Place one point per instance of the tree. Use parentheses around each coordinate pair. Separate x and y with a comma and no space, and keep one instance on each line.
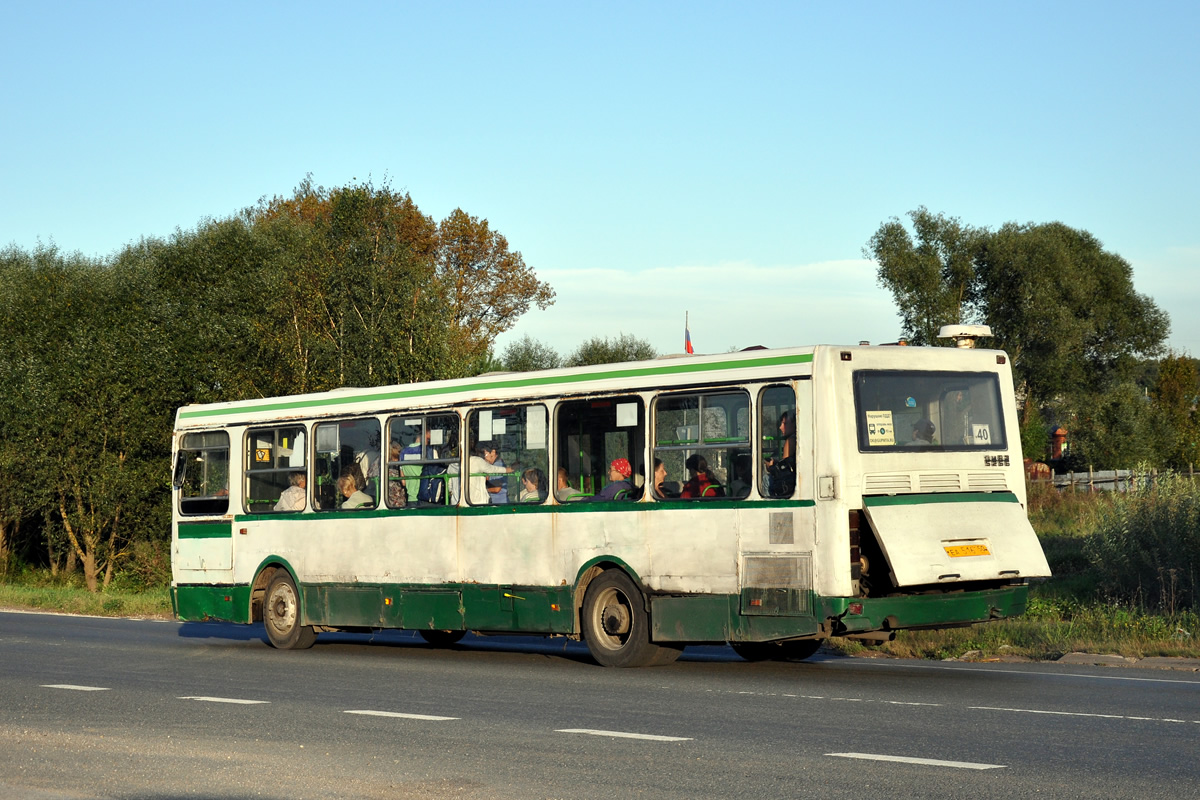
(933,281)
(602,350)
(1063,308)
(486,286)
(1175,395)
(528,354)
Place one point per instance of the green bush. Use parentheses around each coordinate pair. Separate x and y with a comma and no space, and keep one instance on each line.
(1146,545)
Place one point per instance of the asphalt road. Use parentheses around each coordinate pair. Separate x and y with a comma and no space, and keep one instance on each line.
(149,709)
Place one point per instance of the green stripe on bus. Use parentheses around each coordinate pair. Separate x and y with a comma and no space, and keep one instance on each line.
(581,507)
(929,499)
(500,383)
(205,530)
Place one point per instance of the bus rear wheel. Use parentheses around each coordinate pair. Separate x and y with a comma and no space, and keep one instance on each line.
(777,651)
(281,615)
(616,626)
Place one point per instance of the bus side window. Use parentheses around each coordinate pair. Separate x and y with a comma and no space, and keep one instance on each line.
(592,434)
(702,441)
(276,469)
(346,466)
(204,482)
(420,451)
(777,429)
(518,435)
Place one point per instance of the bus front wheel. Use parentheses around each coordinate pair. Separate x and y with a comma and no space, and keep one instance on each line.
(281,615)
(616,626)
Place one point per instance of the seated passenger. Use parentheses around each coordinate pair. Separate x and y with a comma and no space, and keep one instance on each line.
(292,498)
(661,487)
(397,492)
(700,484)
(351,483)
(618,487)
(565,492)
(922,432)
(740,482)
(533,486)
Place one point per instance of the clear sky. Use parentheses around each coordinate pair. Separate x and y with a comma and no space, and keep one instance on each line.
(726,160)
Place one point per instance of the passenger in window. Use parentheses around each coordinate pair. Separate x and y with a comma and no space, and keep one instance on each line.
(292,498)
(618,487)
(781,469)
(482,464)
(533,486)
(922,432)
(397,493)
(498,488)
(700,484)
(661,487)
(565,492)
(740,481)
(351,484)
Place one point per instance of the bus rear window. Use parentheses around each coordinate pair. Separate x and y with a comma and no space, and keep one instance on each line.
(942,411)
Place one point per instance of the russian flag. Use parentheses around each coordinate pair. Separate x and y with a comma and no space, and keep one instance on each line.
(687,338)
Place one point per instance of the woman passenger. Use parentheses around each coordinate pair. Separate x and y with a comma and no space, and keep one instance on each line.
(700,484)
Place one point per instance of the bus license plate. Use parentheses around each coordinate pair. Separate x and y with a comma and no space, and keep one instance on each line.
(967,550)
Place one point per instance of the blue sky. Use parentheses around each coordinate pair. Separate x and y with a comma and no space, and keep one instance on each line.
(725,160)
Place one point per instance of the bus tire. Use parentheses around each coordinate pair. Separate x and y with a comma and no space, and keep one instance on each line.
(442,638)
(616,626)
(281,615)
(797,650)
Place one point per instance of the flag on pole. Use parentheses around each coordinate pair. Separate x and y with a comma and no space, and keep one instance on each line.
(687,335)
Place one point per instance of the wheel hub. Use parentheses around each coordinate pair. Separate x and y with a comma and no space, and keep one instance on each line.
(615,619)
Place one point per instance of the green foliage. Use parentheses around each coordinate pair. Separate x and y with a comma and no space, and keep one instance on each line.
(1146,545)
(310,292)
(528,354)
(1063,308)
(932,280)
(1175,394)
(602,350)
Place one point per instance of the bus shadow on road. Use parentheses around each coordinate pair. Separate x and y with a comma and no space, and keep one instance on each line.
(533,645)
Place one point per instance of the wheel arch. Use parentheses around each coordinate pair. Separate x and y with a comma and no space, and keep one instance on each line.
(593,568)
(262,579)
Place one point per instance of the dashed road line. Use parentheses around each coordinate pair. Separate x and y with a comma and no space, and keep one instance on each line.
(427,717)
(234,700)
(626,735)
(927,762)
(74,687)
(1077,714)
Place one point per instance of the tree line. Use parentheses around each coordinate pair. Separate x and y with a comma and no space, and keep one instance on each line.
(1087,349)
(352,286)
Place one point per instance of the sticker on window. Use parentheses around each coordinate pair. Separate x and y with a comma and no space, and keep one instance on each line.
(981,434)
(879,429)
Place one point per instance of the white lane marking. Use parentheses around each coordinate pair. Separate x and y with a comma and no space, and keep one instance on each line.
(929,762)
(74,687)
(428,717)
(1073,714)
(1027,673)
(625,735)
(227,700)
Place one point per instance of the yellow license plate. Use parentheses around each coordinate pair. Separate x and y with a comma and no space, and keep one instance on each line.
(967,550)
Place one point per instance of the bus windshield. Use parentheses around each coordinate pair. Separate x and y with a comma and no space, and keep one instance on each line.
(941,411)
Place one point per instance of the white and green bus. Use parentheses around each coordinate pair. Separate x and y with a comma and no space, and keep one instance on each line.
(770,499)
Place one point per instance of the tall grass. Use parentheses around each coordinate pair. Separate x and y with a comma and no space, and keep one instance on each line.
(1145,545)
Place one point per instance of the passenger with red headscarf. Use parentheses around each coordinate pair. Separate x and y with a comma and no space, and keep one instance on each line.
(618,487)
